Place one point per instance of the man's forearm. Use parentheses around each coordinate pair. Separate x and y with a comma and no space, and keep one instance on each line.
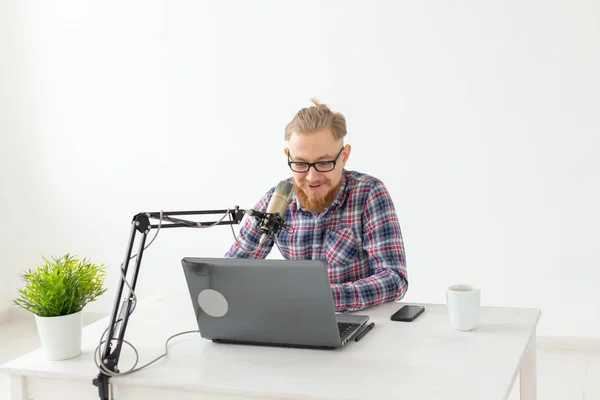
(250,245)
(376,289)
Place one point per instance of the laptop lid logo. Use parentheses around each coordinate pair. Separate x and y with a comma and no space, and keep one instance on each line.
(213,303)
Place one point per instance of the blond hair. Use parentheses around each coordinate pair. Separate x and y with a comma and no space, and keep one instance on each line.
(317,118)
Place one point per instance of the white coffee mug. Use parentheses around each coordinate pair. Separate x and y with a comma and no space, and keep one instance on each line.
(463,303)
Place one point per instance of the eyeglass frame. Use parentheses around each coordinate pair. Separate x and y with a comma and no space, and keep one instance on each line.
(314,165)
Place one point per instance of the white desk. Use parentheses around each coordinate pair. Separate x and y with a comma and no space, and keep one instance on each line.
(425,359)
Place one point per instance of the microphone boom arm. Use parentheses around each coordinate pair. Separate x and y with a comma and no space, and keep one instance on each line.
(123,306)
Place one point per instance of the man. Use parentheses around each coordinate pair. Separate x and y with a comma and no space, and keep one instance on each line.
(344,217)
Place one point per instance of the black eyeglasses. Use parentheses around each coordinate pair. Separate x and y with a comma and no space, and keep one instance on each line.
(320,166)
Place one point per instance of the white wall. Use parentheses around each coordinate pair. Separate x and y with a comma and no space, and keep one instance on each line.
(20,201)
(479,117)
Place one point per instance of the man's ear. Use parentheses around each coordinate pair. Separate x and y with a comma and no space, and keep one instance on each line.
(346,155)
(286,152)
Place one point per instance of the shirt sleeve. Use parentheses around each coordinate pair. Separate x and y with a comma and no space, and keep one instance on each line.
(250,241)
(382,240)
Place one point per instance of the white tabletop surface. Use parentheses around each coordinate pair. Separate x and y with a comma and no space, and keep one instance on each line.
(424,359)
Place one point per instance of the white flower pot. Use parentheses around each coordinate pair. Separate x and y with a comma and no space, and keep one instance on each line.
(61,336)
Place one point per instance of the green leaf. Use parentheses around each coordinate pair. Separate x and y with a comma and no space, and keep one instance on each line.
(61,286)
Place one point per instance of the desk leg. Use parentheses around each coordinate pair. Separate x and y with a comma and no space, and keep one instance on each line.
(528,373)
(17,387)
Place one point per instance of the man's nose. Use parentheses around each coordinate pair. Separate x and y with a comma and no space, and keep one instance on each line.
(313,175)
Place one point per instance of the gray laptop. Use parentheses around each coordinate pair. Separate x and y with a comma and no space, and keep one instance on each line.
(267,302)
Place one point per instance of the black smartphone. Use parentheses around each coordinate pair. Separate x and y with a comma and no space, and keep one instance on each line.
(407,313)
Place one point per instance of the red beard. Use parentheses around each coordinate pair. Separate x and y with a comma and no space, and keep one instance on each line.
(315,204)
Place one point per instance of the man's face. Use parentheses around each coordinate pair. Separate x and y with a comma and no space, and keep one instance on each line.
(317,190)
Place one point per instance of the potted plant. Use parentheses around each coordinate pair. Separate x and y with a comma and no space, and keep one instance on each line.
(56,293)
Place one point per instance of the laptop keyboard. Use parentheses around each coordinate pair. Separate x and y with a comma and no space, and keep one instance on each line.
(345,328)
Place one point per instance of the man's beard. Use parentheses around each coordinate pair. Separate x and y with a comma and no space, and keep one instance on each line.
(315,204)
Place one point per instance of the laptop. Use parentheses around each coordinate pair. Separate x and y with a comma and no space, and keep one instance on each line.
(267,302)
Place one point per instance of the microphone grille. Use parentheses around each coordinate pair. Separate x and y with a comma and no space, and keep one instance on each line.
(285,188)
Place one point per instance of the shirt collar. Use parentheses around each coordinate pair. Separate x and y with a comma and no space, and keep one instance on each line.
(342,193)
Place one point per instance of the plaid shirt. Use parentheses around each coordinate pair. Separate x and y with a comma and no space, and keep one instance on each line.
(358,236)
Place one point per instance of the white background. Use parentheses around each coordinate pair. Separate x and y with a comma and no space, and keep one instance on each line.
(480,117)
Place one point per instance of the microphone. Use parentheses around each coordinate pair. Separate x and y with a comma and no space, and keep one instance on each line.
(281,198)
(272,221)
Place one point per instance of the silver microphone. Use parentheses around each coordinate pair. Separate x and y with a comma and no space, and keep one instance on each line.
(281,198)
(272,221)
